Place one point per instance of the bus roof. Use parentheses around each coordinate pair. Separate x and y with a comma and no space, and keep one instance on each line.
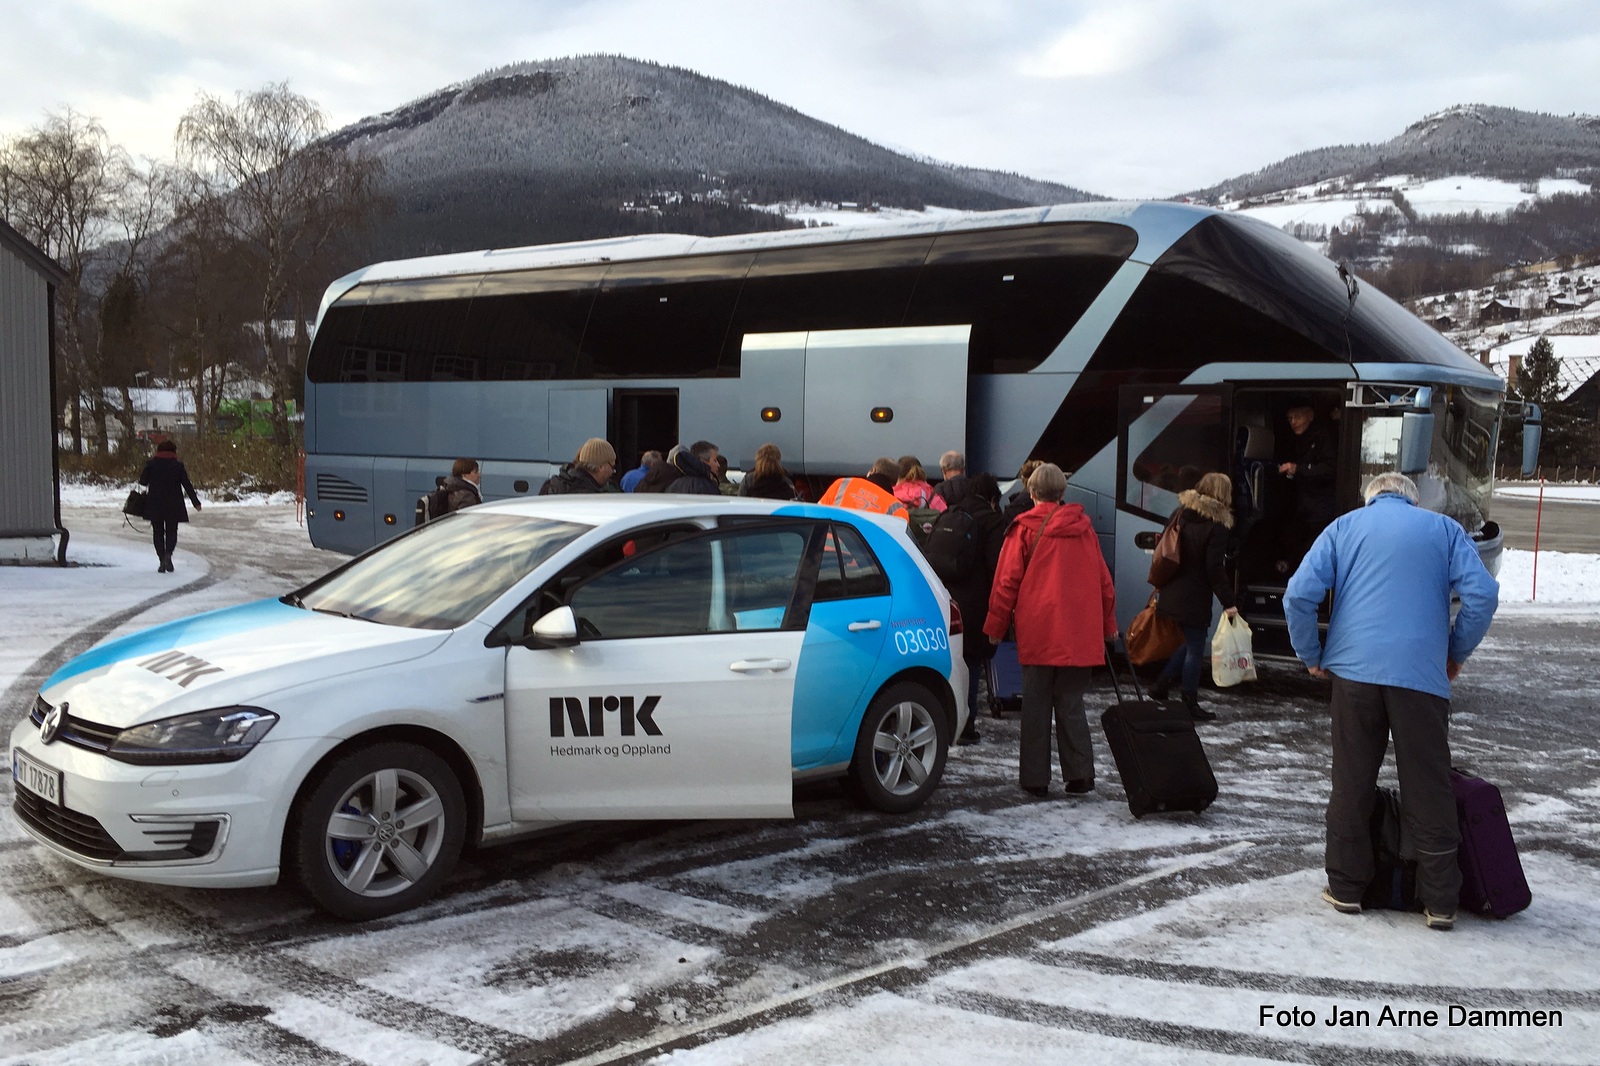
(1157,223)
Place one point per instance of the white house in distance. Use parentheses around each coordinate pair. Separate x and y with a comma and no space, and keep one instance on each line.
(167,410)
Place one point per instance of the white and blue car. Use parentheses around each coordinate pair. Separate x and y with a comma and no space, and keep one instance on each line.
(488,675)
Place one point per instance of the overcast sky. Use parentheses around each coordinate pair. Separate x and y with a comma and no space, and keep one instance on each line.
(1132,98)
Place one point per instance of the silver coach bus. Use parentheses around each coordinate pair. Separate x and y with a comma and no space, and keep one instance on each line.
(1135,345)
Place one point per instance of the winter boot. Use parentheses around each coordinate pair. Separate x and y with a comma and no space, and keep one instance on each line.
(1191,701)
(1159,688)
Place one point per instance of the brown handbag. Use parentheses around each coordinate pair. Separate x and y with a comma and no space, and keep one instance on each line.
(1152,635)
(1165,562)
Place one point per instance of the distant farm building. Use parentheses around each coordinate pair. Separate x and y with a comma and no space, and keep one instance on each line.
(1498,310)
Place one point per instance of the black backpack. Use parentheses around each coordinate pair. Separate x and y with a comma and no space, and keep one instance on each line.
(431,505)
(952,546)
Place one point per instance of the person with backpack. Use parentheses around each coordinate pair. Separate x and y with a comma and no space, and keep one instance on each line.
(1204,517)
(1053,585)
(953,472)
(459,489)
(590,472)
(964,549)
(913,489)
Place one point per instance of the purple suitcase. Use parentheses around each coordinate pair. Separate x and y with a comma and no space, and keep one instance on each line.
(1005,679)
(1492,883)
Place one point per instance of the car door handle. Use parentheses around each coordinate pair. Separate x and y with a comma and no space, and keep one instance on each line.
(756,666)
(856,627)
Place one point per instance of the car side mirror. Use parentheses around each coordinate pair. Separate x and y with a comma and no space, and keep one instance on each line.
(557,629)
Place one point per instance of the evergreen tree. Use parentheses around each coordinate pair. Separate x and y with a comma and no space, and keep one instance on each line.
(1539,380)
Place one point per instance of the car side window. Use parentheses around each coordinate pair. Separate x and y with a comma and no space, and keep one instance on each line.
(722,582)
(849,570)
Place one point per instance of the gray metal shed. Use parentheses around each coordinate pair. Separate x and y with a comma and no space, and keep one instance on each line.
(30,500)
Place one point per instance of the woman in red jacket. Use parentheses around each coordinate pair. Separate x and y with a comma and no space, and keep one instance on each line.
(1053,586)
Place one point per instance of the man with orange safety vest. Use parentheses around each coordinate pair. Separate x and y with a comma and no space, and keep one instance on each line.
(875,492)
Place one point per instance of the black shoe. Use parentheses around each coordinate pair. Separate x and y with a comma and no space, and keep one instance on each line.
(1078,786)
(1197,712)
(971,736)
(1040,791)
(1159,688)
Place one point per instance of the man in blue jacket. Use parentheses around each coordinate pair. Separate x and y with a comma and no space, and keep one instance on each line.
(1392,654)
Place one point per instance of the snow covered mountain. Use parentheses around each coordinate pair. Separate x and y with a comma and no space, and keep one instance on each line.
(602,145)
(1454,200)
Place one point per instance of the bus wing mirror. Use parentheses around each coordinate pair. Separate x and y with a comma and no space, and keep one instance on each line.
(1416,441)
(1532,436)
(557,629)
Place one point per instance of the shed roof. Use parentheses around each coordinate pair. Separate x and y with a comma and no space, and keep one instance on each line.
(30,254)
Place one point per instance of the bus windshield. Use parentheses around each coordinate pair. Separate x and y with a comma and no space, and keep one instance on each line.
(1460,474)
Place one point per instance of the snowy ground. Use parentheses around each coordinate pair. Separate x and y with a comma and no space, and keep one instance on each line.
(985,928)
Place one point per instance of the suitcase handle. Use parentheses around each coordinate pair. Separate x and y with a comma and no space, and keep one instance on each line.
(1111,667)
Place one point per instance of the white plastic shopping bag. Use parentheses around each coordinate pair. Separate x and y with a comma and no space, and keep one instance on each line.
(1231,658)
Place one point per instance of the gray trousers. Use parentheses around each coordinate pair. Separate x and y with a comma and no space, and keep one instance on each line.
(1054,692)
(1364,717)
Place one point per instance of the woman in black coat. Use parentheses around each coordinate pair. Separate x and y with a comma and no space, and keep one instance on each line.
(971,592)
(768,480)
(168,480)
(1206,516)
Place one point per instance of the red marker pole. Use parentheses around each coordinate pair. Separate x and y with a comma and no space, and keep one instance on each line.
(1538,516)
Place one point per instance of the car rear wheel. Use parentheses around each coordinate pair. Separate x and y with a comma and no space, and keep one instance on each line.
(900,751)
(379,831)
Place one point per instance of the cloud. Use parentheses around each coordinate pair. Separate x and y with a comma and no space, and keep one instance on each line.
(1105,42)
(1124,97)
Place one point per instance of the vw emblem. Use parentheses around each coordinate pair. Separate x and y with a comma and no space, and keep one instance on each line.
(52,724)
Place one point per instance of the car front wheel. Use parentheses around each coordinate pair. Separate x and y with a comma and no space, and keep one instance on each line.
(379,831)
(900,751)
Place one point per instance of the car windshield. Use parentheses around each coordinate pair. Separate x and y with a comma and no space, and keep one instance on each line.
(442,575)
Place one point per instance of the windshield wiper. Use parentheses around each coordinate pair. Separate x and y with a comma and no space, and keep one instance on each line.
(293,600)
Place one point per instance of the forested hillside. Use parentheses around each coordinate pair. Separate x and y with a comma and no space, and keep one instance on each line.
(1496,142)
(600,146)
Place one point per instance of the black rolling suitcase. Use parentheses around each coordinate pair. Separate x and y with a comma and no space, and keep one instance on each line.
(1159,756)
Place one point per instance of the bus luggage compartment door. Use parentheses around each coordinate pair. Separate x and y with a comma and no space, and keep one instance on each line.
(772,399)
(872,392)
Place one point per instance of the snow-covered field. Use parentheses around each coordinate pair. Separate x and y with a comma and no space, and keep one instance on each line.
(985,928)
(1440,196)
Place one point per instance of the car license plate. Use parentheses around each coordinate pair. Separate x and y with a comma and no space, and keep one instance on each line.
(36,777)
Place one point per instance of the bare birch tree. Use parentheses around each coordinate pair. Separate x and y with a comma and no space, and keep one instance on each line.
(284,194)
(59,184)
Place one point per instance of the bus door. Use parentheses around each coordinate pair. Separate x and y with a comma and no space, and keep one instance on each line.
(642,420)
(1167,437)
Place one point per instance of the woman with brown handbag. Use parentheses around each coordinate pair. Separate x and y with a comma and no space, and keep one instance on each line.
(1205,516)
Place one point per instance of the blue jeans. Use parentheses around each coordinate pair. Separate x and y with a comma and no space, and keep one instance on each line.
(1187,660)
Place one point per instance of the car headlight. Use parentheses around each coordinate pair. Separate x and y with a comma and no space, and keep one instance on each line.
(222,735)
